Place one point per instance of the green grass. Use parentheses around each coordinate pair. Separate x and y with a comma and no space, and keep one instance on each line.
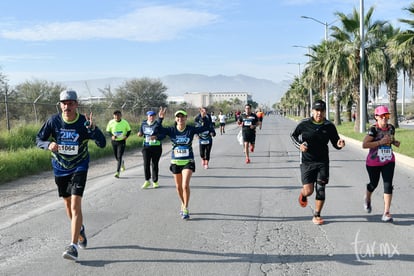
(19,156)
(19,137)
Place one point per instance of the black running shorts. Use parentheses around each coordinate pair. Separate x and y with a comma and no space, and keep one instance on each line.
(177,169)
(249,135)
(311,172)
(73,184)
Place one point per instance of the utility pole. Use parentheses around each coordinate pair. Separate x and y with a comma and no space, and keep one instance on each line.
(362,100)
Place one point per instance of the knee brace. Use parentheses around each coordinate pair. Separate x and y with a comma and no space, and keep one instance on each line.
(320,190)
(371,188)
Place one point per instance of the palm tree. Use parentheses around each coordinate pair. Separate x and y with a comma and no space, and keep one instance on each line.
(295,99)
(391,69)
(313,74)
(349,36)
(328,67)
(336,72)
(403,47)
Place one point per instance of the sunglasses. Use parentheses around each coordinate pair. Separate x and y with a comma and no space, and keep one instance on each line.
(382,116)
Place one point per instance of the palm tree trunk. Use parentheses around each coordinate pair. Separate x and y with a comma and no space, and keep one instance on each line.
(392,91)
(337,100)
(355,96)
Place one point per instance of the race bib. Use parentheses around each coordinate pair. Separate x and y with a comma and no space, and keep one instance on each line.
(247,123)
(181,152)
(119,135)
(68,149)
(384,153)
(204,142)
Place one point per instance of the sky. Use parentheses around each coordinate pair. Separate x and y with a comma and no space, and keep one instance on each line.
(93,39)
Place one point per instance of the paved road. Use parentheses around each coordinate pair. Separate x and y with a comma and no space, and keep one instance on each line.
(245,219)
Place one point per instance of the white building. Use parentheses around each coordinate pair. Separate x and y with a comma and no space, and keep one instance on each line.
(198,99)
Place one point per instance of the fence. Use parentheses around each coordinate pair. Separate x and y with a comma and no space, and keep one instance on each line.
(15,114)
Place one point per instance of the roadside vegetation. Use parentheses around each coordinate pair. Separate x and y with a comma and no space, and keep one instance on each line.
(19,156)
(29,104)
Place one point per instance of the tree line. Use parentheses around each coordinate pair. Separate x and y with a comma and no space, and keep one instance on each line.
(334,66)
(34,101)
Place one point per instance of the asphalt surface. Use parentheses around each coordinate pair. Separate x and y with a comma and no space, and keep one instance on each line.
(245,218)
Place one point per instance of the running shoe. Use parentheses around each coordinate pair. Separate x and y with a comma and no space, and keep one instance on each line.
(247,160)
(206,166)
(71,253)
(155,185)
(386,217)
(83,241)
(317,220)
(251,148)
(303,200)
(146,184)
(116,174)
(185,214)
(123,166)
(182,208)
(367,205)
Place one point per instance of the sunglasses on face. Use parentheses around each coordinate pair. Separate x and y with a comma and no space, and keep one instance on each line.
(382,116)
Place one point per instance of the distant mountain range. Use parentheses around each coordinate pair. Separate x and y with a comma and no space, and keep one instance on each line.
(263,91)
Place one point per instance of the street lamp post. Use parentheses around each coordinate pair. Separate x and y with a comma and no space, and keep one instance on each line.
(310,88)
(362,100)
(326,25)
(320,22)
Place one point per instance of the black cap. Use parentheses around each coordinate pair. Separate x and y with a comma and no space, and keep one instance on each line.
(319,105)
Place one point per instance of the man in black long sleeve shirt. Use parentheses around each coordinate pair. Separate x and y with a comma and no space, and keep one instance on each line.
(311,136)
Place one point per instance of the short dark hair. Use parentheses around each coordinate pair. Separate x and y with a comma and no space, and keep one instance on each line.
(117,112)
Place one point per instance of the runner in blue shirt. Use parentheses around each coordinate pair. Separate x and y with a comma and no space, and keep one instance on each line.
(66,135)
(182,155)
(205,138)
(151,147)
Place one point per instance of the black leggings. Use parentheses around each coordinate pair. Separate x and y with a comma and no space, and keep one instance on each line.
(374,173)
(118,148)
(151,155)
(205,150)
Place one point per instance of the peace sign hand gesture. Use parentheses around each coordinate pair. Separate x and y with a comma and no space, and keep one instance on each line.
(161,113)
(89,122)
